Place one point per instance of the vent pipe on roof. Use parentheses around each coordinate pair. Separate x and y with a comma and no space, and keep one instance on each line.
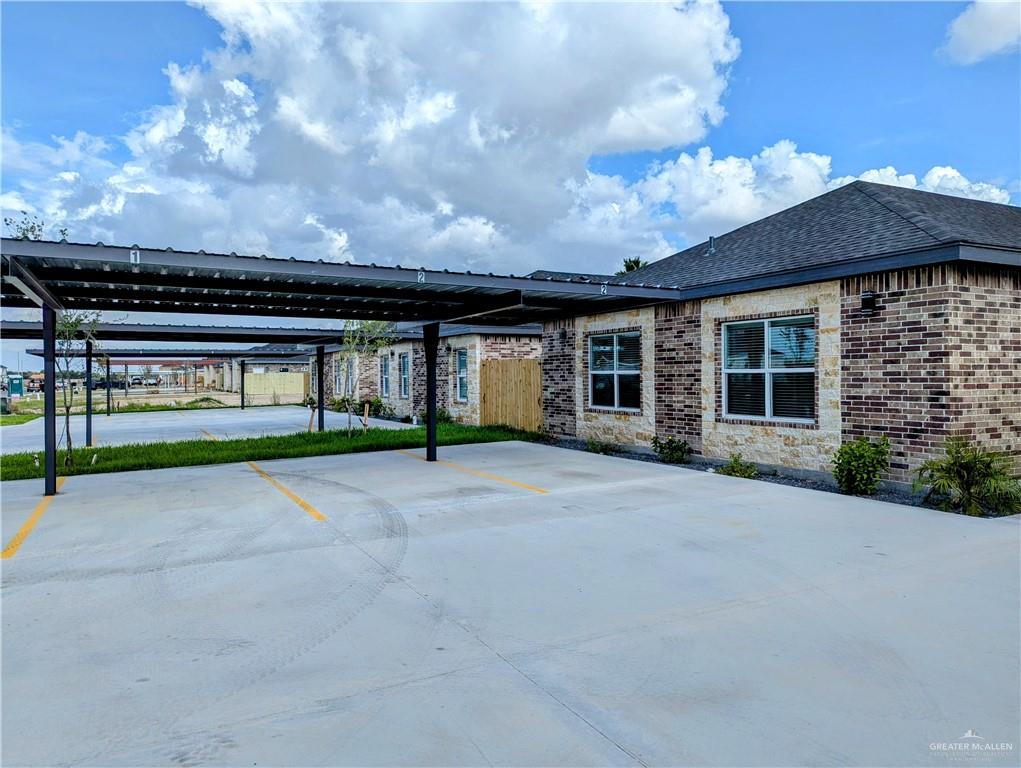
(712,245)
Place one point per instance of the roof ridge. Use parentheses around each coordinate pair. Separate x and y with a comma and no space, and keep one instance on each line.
(898,208)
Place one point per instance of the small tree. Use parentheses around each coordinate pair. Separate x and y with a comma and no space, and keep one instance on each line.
(74,330)
(362,338)
(632,264)
(29,227)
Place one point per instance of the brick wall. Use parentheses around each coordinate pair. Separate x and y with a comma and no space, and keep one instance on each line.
(558,377)
(941,356)
(511,347)
(985,374)
(679,371)
(418,377)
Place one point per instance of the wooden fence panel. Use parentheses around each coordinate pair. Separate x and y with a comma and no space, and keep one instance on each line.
(510,392)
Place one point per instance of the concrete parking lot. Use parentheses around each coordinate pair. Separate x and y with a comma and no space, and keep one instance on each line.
(515,604)
(171,426)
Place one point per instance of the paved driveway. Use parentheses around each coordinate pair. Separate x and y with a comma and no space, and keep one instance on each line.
(170,426)
(515,605)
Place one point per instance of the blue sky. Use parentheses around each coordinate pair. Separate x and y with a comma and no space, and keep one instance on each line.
(863,82)
(490,136)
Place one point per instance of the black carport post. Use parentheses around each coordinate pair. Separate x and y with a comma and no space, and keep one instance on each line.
(125,379)
(50,398)
(320,389)
(109,389)
(88,394)
(242,385)
(431,337)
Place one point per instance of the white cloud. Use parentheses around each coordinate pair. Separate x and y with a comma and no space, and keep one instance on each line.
(453,135)
(941,178)
(985,28)
(697,195)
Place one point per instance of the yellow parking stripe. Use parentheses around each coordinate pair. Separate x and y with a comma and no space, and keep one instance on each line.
(14,544)
(315,513)
(479,473)
(312,511)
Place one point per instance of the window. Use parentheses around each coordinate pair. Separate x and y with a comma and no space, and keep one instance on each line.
(404,373)
(769,369)
(344,377)
(462,374)
(384,376)
(615,371)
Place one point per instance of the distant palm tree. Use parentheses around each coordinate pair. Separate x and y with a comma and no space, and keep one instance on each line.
(631,264)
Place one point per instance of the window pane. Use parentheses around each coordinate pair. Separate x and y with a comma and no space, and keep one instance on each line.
(794,395)
(746,394)
(629,390)
(744,344)
(601,353)
(602,390)
(629,352)
(792,343)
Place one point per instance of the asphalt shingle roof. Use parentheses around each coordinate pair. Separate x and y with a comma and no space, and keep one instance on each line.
(856,221)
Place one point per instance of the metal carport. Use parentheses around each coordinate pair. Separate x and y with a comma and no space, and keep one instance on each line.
(62,275)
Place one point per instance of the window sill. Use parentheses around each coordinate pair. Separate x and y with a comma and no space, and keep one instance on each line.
(750,421)
(611,409)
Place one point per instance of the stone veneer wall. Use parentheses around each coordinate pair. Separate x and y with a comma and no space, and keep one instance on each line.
(679,371)
(802,446)
(941,356)
(558,377)
(607,424)
(465,411)
(402,406)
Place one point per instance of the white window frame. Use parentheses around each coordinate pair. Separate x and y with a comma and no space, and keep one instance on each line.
(343,377)
(616,373)
(384,375)
(404,375)
(458,375)
(767,372)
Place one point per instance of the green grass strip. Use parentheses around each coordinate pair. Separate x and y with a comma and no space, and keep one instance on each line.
(8,419)
(189,453)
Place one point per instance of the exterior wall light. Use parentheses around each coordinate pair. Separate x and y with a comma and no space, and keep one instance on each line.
(868,303)
(563,334)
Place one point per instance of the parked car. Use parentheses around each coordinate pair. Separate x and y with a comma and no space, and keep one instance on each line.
(99,384)
(137,381)
(152,382)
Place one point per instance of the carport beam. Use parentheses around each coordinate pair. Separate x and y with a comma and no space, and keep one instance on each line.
(88,394)
(320,385)
(431,337)
(50,399)
(242,385)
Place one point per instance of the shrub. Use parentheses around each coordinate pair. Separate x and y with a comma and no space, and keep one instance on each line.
(442,417)
(672,450)
(340,404)
(546,435)
(971,480)
(599,446)
(737,467)
(857,466)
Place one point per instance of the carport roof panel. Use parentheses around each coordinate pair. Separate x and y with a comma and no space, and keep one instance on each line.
(26,329)
(96,276)
(251,354)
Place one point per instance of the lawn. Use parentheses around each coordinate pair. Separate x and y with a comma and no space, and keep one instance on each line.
(9,419)
(122,458)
